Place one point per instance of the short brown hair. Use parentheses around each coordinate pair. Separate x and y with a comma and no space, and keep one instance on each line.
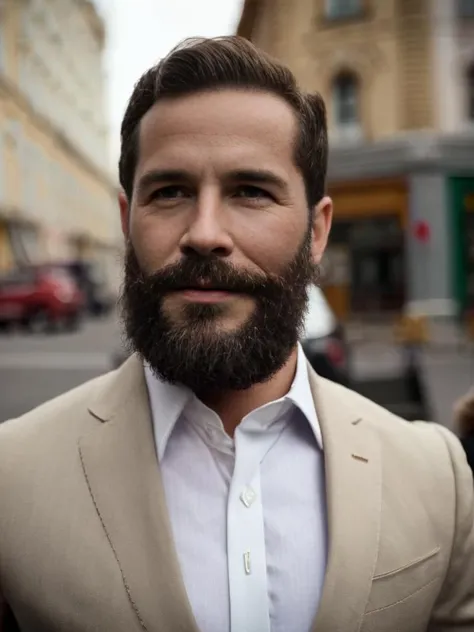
(197,65)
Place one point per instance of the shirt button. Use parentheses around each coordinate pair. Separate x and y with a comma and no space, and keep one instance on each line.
(248,497)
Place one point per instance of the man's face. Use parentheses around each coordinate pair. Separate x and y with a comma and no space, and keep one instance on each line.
(221,243)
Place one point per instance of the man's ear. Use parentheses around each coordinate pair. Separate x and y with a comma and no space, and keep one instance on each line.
(322,220)
(124,213)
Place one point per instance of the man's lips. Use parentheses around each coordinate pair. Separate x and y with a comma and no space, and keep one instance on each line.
(205,294)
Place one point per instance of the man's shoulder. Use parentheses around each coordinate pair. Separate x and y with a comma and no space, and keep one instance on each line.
(399,437)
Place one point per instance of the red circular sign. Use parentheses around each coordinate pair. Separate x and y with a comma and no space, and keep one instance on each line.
(422,231)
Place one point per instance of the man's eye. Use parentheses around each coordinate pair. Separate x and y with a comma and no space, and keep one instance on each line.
(169,193)
(251,192)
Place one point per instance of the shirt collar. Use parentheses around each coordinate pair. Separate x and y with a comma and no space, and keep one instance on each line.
(168,401)
(301,395)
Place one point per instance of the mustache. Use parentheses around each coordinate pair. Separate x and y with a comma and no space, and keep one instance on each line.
(211,273)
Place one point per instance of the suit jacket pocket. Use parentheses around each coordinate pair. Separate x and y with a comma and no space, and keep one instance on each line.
(394,586)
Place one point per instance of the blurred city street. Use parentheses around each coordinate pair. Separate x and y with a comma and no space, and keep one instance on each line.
(34,369)
(400,176)
(230,177)
(446,373)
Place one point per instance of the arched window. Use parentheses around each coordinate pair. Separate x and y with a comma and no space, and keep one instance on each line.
(470,93)
(466,8)
(346,104)
(338,9)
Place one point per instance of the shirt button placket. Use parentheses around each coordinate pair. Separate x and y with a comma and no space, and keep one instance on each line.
(247,559)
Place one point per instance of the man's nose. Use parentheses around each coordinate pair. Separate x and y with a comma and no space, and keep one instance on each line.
(206,233)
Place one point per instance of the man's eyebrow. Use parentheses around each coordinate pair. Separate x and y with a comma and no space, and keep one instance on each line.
(258,176)
(159,176)
(253,176)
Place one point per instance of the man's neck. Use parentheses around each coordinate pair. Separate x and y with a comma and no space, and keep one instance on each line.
(233,406)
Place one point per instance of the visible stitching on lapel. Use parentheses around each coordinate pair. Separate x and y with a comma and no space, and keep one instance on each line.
(127,588)
(379,532)
(397,603)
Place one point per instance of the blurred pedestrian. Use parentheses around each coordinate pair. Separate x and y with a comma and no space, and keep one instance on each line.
(464,424)
(214,482)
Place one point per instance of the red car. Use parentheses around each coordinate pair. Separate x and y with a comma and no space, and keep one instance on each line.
(40,298)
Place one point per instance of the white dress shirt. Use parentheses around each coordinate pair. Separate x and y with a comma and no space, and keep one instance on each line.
(248,514)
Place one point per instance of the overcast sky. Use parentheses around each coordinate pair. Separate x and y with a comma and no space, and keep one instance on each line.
(140,32)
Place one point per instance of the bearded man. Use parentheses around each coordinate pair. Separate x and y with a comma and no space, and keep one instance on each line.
(214,482)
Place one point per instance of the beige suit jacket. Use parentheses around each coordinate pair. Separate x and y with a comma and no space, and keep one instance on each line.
(85,538)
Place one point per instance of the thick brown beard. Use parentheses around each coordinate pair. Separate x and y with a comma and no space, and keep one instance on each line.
(194,353)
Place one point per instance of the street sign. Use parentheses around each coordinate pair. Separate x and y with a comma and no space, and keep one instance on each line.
(422,231)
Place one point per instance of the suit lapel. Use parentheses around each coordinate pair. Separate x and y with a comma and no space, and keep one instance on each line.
(122,473)
(121,469)
(354,488)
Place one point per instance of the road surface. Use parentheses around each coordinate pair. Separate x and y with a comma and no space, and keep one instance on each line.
(447,375)
(34,369)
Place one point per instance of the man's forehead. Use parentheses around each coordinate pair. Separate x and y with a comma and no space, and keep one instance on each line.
(233,126)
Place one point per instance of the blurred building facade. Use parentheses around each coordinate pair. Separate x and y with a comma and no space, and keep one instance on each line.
(57,196)
(398,80)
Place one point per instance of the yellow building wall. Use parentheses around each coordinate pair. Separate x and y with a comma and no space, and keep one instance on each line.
(87,208)
(73,197)
(11,15)
(6,257)
(388,46)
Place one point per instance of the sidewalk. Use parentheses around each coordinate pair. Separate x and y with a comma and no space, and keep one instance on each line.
(446,377)
(443,335)
(446,362)
(446,373)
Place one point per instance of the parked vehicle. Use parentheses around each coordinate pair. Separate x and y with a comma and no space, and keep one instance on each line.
(323,341)
(40,298)
(98,299)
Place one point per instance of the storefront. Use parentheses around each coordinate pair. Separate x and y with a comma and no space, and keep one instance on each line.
(461,195)
(364,268)
(106,259)
(19,243)
(25,242)
(6,254)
